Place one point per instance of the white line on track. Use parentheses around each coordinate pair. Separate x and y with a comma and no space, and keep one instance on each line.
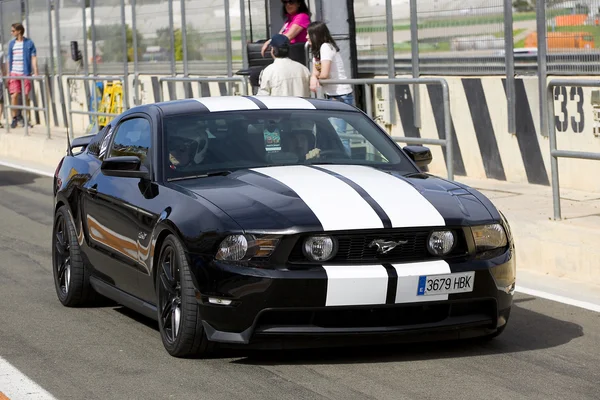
(15,385)
(560,299)
(27,169)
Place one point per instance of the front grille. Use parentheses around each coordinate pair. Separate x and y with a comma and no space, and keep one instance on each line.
(379,316)
(354,248)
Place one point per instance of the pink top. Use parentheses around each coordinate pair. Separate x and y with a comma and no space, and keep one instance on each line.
(302,20)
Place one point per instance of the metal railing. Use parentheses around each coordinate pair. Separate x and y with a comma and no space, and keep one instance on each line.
(447,142)
(554,152)
(97,114)
(202,80)
(9,106)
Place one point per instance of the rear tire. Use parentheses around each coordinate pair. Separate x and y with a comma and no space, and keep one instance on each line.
(179,319)
(71,276)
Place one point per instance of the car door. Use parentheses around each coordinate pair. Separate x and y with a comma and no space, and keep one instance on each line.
(115,208)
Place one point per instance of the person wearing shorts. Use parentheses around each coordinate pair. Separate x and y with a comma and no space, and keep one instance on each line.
(22,61)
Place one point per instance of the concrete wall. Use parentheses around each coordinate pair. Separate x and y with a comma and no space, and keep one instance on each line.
(484,148)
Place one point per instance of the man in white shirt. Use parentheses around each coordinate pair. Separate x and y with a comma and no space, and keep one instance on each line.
(285,77)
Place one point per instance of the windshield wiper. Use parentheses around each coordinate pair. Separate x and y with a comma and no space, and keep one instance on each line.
(205,175)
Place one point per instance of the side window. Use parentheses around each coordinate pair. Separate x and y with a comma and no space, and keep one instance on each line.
(133,138)
(105,141)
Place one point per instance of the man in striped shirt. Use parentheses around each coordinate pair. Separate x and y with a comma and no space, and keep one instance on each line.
(22,61)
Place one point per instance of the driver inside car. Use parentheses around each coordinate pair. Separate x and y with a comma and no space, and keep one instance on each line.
(182,154)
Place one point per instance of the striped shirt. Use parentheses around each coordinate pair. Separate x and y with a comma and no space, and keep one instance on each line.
(17,63)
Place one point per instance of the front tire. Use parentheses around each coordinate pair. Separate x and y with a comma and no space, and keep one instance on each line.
(179,319)
(71,277)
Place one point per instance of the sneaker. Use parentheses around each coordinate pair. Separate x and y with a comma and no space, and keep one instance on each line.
(13,124)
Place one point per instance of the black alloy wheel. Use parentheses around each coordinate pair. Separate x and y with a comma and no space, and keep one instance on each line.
(179,320)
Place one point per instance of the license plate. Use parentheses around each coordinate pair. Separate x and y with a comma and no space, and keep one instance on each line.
(461,282)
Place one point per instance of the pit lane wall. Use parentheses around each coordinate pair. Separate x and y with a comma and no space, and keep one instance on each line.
(483,148)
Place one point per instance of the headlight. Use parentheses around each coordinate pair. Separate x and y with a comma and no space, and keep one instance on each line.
(489,237)
(244,247)
(440,243)
(320,248)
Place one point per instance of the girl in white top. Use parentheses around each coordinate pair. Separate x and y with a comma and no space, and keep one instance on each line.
(327,63)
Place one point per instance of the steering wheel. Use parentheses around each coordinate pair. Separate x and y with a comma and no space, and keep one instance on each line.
(326,153)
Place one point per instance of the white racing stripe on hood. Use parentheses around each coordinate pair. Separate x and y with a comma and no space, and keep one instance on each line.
(408,280)
(336,204)
(274,103)
(405,206)
(234,103)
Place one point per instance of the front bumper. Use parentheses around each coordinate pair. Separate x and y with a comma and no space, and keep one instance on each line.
(268,308)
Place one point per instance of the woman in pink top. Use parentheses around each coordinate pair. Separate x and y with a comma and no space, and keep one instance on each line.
(297,19)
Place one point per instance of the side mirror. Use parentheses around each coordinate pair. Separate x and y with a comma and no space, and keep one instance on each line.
(421,155)
(125,167)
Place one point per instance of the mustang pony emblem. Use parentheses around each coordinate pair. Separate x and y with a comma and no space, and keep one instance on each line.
(384,246)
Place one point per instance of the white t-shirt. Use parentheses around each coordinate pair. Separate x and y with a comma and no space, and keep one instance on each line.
(329,53)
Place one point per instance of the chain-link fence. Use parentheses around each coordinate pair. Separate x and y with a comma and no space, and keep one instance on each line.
(572,37)
(204,37)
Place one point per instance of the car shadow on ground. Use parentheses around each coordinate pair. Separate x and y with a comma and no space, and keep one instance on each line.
(12,177)
(527,330)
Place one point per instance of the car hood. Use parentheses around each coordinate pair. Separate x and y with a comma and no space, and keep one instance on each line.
(339,198)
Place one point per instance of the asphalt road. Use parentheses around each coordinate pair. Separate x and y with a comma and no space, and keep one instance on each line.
(549,351)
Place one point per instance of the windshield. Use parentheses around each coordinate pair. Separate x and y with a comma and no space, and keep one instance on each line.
(203,143)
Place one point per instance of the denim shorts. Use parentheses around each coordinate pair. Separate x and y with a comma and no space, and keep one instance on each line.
(346,98)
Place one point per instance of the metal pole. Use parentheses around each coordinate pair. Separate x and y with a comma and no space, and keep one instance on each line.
(553,159)
(391,58)
(243,16)
(51,42)
(24,111)
(172,38)
(47,106)
(184,40)
(61,91)
(448,130)
(542,59)
(369,100)
(50,38)
(86,66)
(93,29)
(510,66)
(26,3)
(125,98)
(414,47)
(229,50)
(136,76)
(69,103)
(243,28)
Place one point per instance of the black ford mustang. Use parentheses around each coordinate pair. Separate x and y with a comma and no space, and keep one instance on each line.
(267,222)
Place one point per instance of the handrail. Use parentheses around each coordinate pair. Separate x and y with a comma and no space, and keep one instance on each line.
(23,107)
(554,153)
(71,78)
(446,142)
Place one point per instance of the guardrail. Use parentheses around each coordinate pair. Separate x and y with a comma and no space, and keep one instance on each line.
(201,80)
(97,114)
(446,142)
(8,106)
(554,152)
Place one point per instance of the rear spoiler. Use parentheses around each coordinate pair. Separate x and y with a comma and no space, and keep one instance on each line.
(81,142)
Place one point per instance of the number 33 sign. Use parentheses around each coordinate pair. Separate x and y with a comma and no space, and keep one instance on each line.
(562,122)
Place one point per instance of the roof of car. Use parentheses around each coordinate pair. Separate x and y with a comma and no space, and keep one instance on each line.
(243,103)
